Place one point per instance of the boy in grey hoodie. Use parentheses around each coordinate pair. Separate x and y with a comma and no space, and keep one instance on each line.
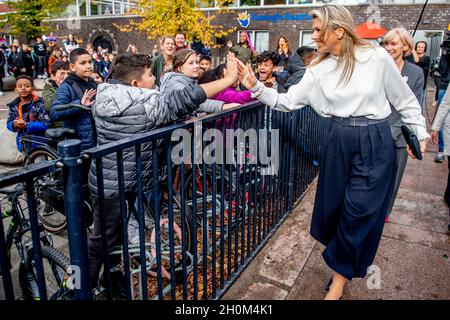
(125,106)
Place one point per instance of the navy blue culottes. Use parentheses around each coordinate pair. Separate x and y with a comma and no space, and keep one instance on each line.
(356,179)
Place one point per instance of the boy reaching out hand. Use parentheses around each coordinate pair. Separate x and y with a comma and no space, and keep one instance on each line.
(77,88)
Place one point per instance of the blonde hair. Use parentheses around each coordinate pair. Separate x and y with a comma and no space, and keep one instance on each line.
(332,17)
(405,37)
(164,38)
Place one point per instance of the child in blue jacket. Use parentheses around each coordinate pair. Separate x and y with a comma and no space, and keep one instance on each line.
(27,115)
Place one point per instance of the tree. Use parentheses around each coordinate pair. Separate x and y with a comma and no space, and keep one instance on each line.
(167,17)
(29,17)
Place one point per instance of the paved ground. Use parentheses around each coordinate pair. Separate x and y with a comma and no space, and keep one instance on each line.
(412,259)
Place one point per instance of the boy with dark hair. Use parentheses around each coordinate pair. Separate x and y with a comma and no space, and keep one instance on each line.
(77,88)
(267,62)
(205,62)
(60,70)
(40,50)
(297,66)
(27,114)
(129,98)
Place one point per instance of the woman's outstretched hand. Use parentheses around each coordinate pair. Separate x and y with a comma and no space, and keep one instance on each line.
(246,75)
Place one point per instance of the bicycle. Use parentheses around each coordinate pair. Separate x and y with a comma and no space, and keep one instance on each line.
(49,188)
(56,264)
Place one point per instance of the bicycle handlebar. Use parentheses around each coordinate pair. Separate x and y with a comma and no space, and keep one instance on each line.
(63,107)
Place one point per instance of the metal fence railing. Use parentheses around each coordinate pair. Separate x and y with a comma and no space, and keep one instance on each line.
(195,201)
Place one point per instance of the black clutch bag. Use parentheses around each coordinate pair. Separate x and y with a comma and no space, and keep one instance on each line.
(412,141)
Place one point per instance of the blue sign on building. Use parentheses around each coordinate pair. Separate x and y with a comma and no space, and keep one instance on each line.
(281,17)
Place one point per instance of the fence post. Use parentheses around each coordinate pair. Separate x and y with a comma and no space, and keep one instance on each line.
(72,167)
(292,145)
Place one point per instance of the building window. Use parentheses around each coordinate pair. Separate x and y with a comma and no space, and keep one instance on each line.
(82,5)
(7,39)
(101,7)
(300,1)
(274,2)
(250,2)
(118,7)
(305,39)
(234,4)
(259,39)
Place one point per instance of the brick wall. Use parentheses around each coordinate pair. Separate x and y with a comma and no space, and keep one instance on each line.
(436,17)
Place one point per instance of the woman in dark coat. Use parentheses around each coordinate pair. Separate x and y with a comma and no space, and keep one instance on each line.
(398,43)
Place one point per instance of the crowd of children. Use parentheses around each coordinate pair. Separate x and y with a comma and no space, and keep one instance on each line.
(36,60)
(128,88)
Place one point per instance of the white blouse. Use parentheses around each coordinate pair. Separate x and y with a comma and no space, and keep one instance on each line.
(375,82)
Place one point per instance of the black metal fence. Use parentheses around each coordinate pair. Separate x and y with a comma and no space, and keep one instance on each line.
(194,202)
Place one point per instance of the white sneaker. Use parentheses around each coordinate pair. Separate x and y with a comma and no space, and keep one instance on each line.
(1,93)
(440,157)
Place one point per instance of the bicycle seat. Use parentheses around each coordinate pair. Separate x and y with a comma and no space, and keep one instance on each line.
(59,133)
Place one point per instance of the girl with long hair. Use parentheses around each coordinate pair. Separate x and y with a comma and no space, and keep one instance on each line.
(284,52)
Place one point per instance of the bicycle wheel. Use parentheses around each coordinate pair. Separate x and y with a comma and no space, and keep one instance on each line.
(40,154)
(49,195)
(57,276)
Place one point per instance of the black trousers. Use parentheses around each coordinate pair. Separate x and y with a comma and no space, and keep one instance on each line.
(41,65)
(356,180)
(113,234)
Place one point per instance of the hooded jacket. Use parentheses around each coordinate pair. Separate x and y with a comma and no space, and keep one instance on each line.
(33,113)
(231,95)
(296,71)
(71,91)
(123,111)
(172,81)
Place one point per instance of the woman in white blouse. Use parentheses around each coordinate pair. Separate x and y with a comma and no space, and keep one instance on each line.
(353,83)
